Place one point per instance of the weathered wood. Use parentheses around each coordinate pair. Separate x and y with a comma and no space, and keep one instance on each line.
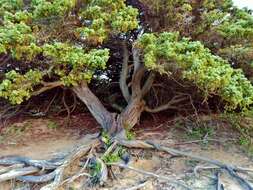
(74,155)
(231,170)
(9,168)
(124,73)
(97,109)
(37,179)
(18,172)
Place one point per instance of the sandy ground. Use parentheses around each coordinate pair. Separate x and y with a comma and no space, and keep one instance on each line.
(41,138)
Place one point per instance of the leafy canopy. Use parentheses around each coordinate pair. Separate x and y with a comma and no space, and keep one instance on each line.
(25,35)
(211,73)
(67,37)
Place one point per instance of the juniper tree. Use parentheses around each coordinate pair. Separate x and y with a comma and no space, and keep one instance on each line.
(66,43)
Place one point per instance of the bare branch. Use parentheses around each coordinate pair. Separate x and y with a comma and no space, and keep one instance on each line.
(124,73)
(231,169)
(148,84)
(139,186)
(76,154)
(9,168)
(47,86)
(18,172)
(136,59)
(169,105)
(150,174)
(136,81)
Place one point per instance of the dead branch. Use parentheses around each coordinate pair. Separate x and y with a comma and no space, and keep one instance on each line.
(139,186)
(66,107)
(42,164)
(18,172)
(81,172)
(148,84)
(50,103)
(219,185)
(37,179)
(203,141)
(9,168)
(76,154)
(47,86)
(231,170)
(169,105)
(174,181)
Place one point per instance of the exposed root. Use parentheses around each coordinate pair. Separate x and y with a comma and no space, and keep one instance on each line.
(38,179)
(76,154)
(41,171)
(230,169)
(219,185)
(15,173)
(139,186)
(173,181)
(96,167)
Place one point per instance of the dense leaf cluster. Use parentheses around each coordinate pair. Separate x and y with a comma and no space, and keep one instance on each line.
(212,74)
(17,88)
(225,29)
(25,36)
(204,42)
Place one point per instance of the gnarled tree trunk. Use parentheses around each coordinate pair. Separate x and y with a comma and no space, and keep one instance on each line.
(112,123)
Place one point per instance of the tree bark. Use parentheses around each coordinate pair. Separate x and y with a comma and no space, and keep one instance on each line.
(124,73)
(96,108)
(131,114)
(112,123)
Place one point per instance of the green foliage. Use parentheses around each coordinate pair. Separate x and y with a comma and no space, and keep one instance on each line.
(45,8)
(167,52)
(104,17)
(130,135)
(218,24)
(66,39)
(95,171)
(237,26)
(17,87)
(111,158)
(200,132)
(82,64)
(52,125)
(10,5)
(106,138)
(115,156)
(18,40)
(25,35)
(243,123)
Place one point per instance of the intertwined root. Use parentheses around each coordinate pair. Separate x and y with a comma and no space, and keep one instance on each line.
(95,167)
(41,171)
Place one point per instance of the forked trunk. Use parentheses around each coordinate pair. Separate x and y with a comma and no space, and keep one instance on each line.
(114,124)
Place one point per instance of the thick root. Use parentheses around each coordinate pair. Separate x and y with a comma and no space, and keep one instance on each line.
(41,171)
(230,169)
(96,167)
